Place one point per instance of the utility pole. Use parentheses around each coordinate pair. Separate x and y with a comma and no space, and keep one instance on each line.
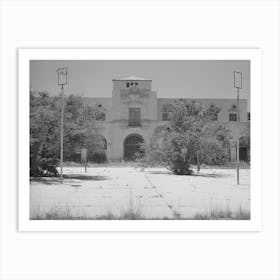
(62,80)
(238,86)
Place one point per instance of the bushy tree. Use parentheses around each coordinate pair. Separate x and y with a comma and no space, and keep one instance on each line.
(97,146)
(79,124)
(191,136)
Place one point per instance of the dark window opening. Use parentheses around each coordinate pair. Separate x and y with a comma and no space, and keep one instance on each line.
(232,117)
(243,154)
(248,116)
(133,147)
(127,84)
(134,117)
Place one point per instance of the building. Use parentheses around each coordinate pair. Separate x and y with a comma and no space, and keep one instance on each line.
(135,110)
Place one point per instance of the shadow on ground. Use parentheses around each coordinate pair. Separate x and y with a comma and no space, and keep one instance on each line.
(56,180)
(86,177)
(207,175)
(160,172)
(211,175)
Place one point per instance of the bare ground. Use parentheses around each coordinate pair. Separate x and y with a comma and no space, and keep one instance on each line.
(153,193)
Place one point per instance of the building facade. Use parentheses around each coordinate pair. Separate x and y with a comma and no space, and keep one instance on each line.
(134,111)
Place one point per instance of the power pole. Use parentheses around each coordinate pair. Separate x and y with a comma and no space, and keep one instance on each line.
(62,80)
(61,133)
(238,86)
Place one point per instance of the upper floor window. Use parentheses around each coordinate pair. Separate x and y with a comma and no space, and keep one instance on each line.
(232,117)
(131,84)
(134,118)
(248,116)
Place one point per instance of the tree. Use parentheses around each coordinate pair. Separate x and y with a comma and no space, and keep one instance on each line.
(191,136)
(97,146)
(79,124)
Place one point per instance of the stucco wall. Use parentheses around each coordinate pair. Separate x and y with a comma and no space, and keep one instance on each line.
(226,106)
(115,128)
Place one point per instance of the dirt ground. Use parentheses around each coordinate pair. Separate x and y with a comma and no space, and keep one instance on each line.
(153,193)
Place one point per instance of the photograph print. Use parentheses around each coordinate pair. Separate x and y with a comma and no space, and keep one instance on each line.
(162,137)
(133,140)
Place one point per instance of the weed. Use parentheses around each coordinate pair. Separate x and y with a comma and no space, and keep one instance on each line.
(223,214)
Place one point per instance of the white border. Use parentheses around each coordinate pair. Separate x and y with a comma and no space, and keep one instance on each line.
(254,55)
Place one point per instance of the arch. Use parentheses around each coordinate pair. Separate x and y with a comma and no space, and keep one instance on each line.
(133,147)
(244,141)
(244,148)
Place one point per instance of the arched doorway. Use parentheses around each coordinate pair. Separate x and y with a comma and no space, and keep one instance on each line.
(244,148)
(133,147)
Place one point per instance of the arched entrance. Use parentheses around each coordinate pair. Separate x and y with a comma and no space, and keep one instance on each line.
(133,147)
(244,148)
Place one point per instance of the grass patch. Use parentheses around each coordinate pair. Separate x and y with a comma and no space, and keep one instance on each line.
(223,214)
(125,215)
(55,213)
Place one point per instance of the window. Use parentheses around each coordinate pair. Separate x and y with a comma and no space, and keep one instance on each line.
(136,84)
(134,117)
(127,85)
(248,116)
(232,117)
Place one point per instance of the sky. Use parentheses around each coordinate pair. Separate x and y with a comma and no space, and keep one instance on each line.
(170,78)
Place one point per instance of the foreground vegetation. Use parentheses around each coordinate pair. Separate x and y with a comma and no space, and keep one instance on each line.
(80,131)
(213,214)
(223,214)
(191,136)
(67,214)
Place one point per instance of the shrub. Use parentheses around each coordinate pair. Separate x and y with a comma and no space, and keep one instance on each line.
(43,161)
(98,157)
(190,136)
(80,127)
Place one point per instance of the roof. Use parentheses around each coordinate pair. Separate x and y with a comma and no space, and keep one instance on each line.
(132,78)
